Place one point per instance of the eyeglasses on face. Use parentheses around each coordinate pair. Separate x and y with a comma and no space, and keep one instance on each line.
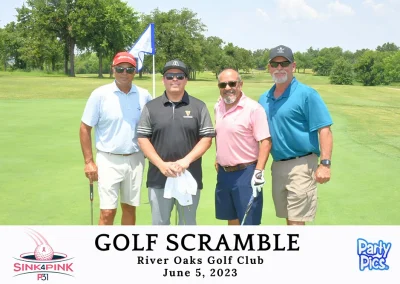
(129,70)
(275,64)
(232,84)
(171,76)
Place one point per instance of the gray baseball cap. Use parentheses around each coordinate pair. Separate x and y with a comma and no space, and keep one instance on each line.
(176,64)
(283,51)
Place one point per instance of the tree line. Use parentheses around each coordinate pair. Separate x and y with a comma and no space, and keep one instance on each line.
(82,36)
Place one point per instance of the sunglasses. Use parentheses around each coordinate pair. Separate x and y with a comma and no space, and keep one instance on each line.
(275,64)
(171,76)
(232,84)
(129,70)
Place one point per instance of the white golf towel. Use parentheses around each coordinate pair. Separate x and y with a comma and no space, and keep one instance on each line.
(181,188)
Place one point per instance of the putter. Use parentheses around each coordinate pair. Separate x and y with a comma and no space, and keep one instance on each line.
(91,202)
(248,209)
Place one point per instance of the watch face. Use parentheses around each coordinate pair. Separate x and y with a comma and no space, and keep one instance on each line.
(325,162)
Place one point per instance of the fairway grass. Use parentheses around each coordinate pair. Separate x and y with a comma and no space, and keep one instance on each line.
(41,164)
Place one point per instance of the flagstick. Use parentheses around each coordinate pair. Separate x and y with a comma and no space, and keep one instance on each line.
(154,78)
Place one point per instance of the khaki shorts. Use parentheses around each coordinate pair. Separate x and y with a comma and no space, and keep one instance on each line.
(294,189)
(119,176)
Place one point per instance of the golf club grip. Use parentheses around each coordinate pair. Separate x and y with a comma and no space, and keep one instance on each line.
(91,192)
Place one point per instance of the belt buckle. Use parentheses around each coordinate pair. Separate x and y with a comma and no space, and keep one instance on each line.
(225,167)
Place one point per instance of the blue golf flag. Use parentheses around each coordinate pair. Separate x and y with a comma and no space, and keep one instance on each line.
(145,45)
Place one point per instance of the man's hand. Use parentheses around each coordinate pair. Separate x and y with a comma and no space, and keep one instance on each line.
(216,165)
(169,169)
(257,182)
(91,171)
(182,164)
(323,174)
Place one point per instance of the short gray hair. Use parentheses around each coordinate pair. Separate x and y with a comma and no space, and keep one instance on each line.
(239,77)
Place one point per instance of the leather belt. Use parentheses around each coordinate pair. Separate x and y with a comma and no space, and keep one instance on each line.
(292,158)
(125,155)
(238,167)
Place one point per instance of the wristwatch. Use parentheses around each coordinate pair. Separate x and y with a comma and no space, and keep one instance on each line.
(325,162)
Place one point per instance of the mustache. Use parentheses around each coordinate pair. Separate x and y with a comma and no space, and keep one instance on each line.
(228,92)
(280,72)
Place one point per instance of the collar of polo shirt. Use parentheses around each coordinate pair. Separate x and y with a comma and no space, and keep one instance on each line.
(185,98)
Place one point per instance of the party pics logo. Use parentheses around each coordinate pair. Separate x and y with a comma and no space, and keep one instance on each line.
(373,256)
(43,261)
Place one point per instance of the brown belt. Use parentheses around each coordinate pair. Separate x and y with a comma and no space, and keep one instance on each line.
(238,167)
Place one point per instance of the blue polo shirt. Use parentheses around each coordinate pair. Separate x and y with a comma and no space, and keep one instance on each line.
(115,116)
(294,119)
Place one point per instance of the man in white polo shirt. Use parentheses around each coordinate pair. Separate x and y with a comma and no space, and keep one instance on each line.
(114,111)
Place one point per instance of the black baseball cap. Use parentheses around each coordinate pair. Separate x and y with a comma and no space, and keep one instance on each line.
(176,64)
(283,51)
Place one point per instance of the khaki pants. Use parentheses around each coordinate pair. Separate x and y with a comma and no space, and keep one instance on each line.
(294,189)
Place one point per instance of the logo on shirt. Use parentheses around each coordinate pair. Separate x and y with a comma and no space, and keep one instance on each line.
(187,114)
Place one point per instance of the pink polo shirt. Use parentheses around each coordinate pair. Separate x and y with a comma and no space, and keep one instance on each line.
(239,130)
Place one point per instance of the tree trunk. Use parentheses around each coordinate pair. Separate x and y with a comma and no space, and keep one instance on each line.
(141,73)
(100,65)
(66,58)
(72,57)
(111,70)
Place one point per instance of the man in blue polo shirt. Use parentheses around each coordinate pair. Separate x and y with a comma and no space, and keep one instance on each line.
(299,122)
(114,111)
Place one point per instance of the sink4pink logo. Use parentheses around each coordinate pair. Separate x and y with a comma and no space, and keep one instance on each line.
(43,261)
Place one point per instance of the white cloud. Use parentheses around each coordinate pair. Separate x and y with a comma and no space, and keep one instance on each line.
(297,10)
(338,8)
(260,12)
(377,7)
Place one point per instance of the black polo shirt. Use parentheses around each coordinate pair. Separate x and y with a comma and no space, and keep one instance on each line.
(174,129)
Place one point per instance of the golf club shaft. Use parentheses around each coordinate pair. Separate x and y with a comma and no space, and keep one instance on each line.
(247,209)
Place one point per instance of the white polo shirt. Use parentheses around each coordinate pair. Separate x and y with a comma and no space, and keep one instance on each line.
(114,116)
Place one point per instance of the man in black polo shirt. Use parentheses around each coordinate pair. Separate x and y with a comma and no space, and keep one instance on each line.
(174,132)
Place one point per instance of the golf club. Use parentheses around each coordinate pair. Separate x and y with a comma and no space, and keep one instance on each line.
(176,213)
(91,202)
(248,209)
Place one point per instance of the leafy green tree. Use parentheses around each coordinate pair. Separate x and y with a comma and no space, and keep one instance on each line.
(260,57)
(213,52)
(178,35)
(39,49)
(388,46)
(342,72)
(392,67)
(11,43)
(104,26)
(52,17)
(322,65)
(369,68)
(300,61)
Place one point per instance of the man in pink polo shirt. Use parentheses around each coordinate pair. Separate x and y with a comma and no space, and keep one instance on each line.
(243,144)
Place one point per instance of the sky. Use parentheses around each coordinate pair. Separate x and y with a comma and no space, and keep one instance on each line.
(299,24)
